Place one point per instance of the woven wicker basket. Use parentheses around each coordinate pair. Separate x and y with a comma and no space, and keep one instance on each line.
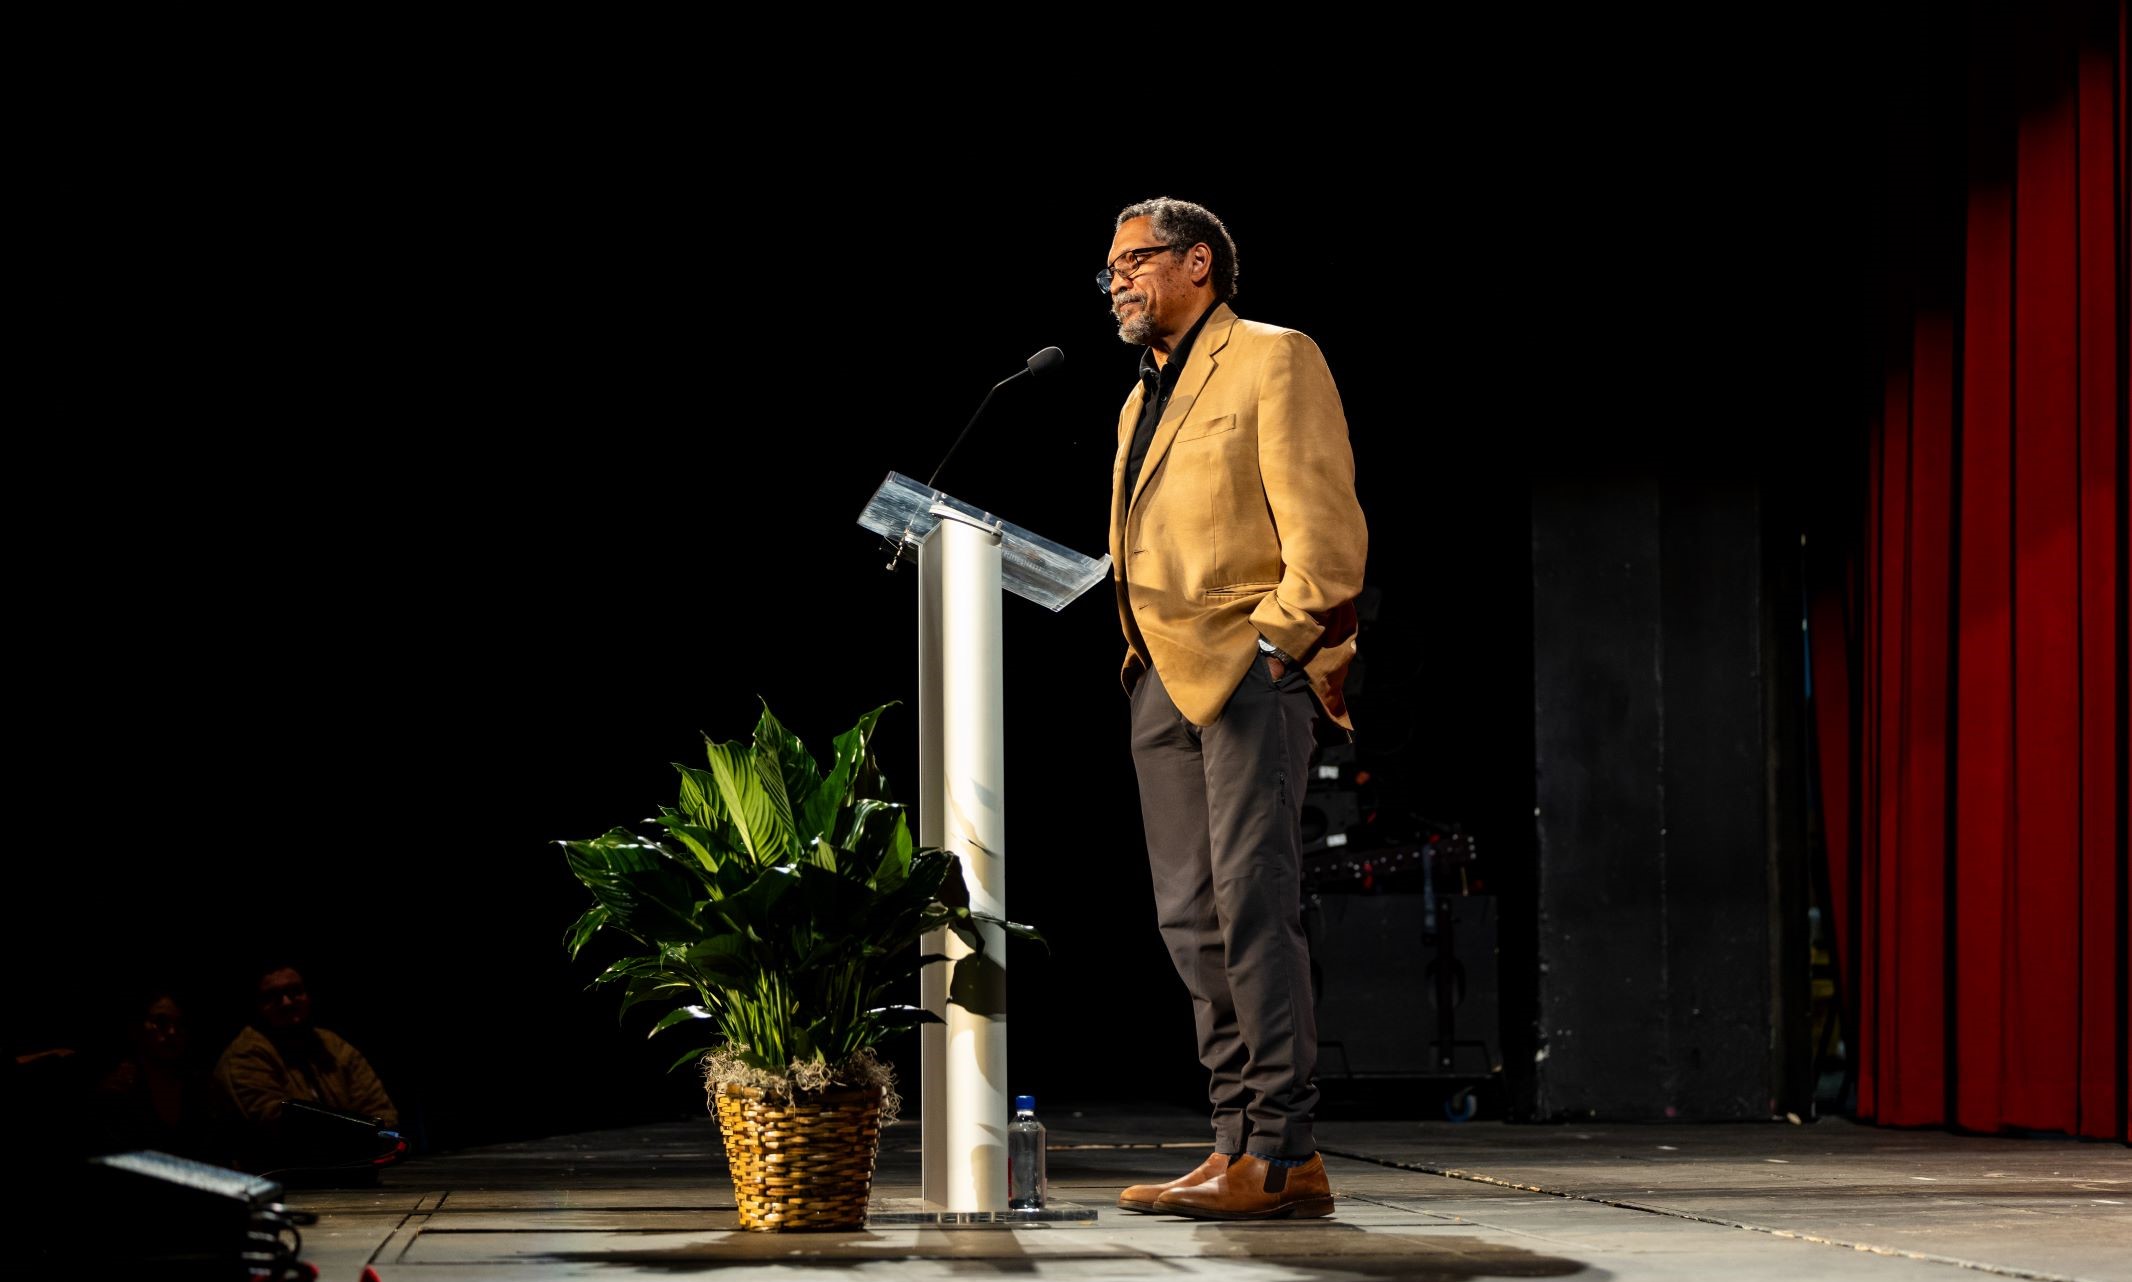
(806,1163)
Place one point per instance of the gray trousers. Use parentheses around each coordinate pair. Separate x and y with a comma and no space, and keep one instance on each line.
(1223,808)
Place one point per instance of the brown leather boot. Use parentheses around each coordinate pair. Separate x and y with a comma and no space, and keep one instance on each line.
(1255,1189)
(1141,1197)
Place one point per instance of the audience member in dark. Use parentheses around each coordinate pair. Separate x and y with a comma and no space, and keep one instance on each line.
(280,1056)
(156,1096)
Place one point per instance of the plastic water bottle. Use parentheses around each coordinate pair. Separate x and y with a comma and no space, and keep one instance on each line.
(1025,1157)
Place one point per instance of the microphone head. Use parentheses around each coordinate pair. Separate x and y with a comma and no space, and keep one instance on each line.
(1047,360)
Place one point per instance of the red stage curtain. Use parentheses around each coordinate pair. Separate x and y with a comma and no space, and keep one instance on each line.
(1970,668)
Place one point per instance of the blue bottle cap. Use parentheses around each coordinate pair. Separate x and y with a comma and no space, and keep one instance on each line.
(1025,1103)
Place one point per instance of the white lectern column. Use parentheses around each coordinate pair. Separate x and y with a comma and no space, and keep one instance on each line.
(967,559)
(961,807)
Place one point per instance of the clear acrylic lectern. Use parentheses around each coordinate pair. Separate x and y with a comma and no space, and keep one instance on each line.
(965,557)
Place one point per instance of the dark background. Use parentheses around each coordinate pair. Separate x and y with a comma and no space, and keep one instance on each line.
(416,472)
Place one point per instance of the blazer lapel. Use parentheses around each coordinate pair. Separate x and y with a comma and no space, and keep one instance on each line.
(1128,419)
(1200,366)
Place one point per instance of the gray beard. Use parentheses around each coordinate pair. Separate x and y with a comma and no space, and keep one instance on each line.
(1140,330)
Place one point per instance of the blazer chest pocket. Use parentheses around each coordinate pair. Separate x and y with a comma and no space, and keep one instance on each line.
(1206,428)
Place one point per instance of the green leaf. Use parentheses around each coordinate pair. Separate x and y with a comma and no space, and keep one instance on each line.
(894,867)
(819,809)
(631,968)
(931,869)
(700,803)
(899,838)
(889,969)
(650,988)
(710,847)
(784,829)
(903,1016)
(721,959)
(679,1015)
(583,929)
(691,1057)
(797,775)
(762,817)
(869,826)
(957,921)
(645,890)
(1013,928)
(749,912)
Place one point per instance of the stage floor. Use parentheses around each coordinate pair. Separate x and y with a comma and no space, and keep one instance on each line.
(1416,1200)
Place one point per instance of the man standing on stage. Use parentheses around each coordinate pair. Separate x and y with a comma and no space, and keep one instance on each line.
(1237,546)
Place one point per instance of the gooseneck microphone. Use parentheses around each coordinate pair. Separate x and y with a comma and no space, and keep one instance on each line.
(1046,361)
(1042,363)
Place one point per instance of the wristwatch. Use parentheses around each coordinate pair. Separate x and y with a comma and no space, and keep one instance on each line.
(1268,647)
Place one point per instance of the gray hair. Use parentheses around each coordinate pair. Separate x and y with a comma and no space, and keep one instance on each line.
(1184,224)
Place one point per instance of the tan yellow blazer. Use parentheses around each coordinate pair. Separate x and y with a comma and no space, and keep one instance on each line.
(1243,522)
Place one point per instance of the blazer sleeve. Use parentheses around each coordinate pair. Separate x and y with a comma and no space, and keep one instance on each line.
(366,1094)
(251,1082)
(1308,471)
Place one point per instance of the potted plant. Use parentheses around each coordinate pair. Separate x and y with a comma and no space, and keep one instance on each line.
(781,913)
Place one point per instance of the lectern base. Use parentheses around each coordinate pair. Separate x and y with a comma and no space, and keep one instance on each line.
(891,1211)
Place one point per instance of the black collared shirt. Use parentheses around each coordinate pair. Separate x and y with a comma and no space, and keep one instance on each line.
(1159,382)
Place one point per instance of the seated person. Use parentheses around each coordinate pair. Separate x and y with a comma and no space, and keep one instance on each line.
(154,1097)
(282,1056)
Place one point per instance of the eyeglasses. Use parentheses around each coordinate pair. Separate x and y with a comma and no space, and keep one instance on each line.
(1128,264)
